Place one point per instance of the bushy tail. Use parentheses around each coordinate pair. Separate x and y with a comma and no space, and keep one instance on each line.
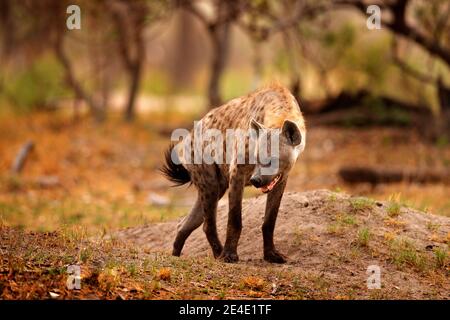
(175,173)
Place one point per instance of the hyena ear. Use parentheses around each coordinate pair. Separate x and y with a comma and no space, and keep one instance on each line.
(292,133)
(255,125)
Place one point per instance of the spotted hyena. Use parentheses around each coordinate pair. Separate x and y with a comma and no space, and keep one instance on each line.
(274,116)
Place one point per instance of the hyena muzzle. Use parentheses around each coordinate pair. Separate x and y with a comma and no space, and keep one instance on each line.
(274,115)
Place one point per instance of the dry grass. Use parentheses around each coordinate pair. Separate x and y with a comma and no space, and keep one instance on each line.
(34,264)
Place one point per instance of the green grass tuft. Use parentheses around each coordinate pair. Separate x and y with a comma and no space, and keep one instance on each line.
(404,252)
(364,236)
(361,204)
(441,257)
(394,209)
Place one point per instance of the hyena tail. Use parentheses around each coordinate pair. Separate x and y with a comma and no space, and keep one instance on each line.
(175,173)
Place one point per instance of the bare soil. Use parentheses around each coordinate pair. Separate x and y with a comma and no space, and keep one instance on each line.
(337,236)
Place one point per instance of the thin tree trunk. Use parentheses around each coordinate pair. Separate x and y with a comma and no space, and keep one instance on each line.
(73,82)
(130,22)
(220,38)
(135,75)
(294,74)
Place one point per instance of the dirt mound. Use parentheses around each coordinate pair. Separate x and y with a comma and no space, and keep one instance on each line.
(336,234)
(309,217)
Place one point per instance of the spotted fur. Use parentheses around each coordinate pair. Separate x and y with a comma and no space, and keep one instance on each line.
(272,107)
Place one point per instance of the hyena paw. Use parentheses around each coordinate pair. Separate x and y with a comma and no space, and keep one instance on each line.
(229,257)
(217,251)
(176,253)
(274,257)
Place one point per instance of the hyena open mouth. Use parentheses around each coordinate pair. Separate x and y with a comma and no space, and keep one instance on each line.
(271,185)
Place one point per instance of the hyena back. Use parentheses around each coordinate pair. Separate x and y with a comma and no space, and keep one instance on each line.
(268,110)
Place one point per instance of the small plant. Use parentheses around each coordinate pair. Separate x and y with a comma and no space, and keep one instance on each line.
(394,209)
(404,252)
(332,197)
(335,228)
(349,219)
(74,234)
(433,226)
(440,256)
(338,190)
(108,279)
(364,237)
(361,204)
(298,236)
(85,254)
(56,271)
(132,269)
(342,221)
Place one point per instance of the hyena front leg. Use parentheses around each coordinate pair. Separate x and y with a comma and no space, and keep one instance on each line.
(234,226)
(192,222)
(270,217)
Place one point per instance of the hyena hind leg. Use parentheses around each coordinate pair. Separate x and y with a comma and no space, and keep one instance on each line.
(210,200)
(188,225)
(209,227)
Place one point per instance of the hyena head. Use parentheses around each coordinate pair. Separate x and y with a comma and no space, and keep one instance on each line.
(276,151)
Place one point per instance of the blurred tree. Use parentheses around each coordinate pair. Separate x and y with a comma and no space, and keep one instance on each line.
(217,25)
(96,104)
(89,58)
(39,27)
(29,27)
(426,24)
(129,18)
(263,19)
(185,52)
(42,28)
(430,29)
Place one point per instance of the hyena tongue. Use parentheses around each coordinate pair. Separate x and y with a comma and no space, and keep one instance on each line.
(270,186)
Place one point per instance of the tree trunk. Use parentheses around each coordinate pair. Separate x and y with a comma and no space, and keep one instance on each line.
(185,52)
(220,38)
(442,122)
(296,87)
(73,82)
(129,18)
(135,74)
